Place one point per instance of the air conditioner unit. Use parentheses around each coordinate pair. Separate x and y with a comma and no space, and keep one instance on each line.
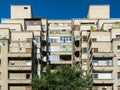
(44,59)
(10,45)
(4,36)
(12,62)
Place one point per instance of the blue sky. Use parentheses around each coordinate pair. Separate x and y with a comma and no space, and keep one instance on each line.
(59,9)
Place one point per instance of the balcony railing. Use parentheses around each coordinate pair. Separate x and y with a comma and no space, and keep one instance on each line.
(19,54)
(101,81)
(19,67)
(19,81)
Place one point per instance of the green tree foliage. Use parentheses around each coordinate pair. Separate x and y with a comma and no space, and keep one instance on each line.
(63,78)
(117,24)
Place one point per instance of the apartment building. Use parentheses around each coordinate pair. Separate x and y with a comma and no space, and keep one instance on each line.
(60,42)
(28,44)
(97,47)
(17,53)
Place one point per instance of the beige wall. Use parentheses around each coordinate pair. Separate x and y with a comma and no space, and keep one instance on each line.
(4,33)
(102,21)
(98,11)
(4,63)
(14,21)
(24,11)
(15,27)
(101,36)
(115,44)
(20,47)
(19,88)
(114,32)
(33,27)
(78,21)
(87,27)
(20,63)
(21,36)
(102,46)
(18,76)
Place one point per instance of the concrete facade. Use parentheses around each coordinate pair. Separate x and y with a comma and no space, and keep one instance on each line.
(28,44)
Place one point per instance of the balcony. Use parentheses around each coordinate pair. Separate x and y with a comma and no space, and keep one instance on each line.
(103,68)
(103,54)
(19,54)
(59,32)
(61,44)
(33,27)
(103,77)
(19,68)
(61,62)
(19,81)
(103,81)
(61,52)
(77,43)
(116,24)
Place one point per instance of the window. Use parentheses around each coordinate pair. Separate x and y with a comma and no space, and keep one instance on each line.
(84,73)
(95,76)
(84,61)
(12,29)
(25,7)
(54,31)
(43,27)
(102,75)
(55,24)
(27,76)
(11,62)
(104,89)
(76,27)
(118,49)
(38,50)
(93,39)
(28,39)
(65,39)
(65,48)
(118,36)
(54,48)
(63,31)
(28,63)
(50,24)
(118,61)
(54,58)
(61,24)
(37,39)
(102,62)
(84,38)
(53,39)
(94,49)
(32,22)
(118,74)
(95,63)
(84,50)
